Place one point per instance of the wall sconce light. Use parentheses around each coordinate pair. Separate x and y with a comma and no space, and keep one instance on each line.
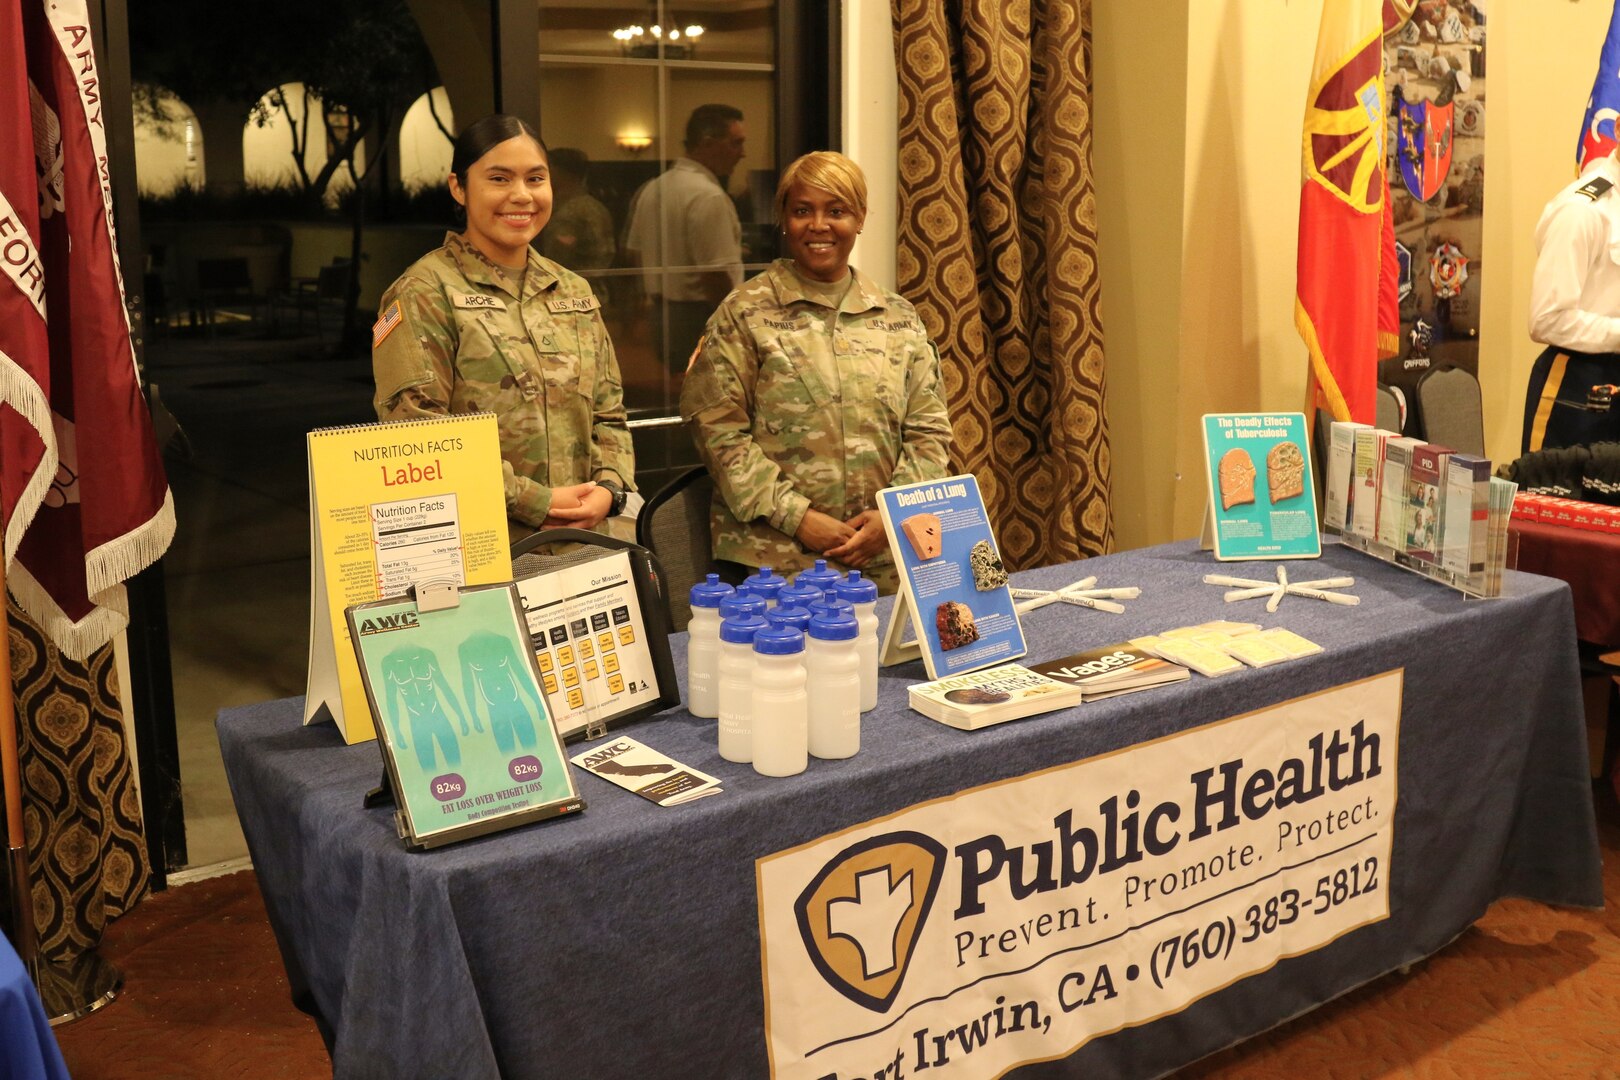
(635,144)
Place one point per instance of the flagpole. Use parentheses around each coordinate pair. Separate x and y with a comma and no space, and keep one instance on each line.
(77,987)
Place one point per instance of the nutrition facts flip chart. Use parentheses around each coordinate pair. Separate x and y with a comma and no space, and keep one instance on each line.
(417,502)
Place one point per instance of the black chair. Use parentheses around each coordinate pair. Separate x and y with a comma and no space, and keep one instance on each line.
(1388,413)
(1321,443)
(329,289)
(576,546)
(1453,412)
(674,526)
(225,282)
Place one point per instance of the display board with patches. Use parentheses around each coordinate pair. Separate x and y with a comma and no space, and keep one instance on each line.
(1262,498)
(1435,70)
(466,734)
(952,581)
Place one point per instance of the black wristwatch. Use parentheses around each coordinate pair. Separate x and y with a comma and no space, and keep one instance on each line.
(618,494)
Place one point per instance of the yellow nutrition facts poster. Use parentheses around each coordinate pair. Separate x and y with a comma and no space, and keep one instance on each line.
(418,502)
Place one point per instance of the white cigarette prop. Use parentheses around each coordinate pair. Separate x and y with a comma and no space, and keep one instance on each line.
(1331,597)
(1239,582)
(1249,594)
(1093,602)
(1327,583)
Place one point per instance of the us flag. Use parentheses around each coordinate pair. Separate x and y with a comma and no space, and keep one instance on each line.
(83,498)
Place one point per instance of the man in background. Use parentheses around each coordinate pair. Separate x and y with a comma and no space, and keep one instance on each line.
(1575,312)
(580,233)
(685,220)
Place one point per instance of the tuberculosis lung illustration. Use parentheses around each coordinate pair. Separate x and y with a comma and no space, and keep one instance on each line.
(1434,62)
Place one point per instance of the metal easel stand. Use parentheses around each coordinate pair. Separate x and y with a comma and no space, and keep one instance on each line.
(67,990)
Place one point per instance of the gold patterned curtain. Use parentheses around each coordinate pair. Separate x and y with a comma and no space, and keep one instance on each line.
(86,848)
(998,251)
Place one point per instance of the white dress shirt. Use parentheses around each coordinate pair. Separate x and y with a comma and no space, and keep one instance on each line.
(684,219)
(1575,293)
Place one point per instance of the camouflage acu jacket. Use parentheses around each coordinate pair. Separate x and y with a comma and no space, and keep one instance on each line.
(459,334)
(794,405)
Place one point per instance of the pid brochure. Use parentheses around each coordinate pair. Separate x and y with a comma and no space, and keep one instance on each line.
(953,586)
(466,736)
(1262,502)
(414,502)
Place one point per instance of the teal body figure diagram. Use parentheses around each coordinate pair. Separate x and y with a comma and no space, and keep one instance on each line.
(413,678)
(491,673)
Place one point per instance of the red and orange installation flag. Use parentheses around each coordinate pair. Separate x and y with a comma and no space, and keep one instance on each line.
(1345,306)
(84,504)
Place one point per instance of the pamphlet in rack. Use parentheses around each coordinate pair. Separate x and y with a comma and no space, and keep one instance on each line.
(1421,506)
(1262,500)
(391,506)
(952,581)
(467,741)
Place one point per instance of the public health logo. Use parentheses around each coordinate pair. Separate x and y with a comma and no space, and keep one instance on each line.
(862,914)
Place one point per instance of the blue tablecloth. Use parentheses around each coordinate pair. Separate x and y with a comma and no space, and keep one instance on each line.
(28,1050)
(624,941)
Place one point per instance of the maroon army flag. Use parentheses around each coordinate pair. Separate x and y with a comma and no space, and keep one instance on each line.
(83,498)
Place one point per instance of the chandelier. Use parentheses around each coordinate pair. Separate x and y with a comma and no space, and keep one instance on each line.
(652,42)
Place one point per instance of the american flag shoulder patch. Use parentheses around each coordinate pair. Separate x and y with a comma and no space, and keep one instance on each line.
(385,325)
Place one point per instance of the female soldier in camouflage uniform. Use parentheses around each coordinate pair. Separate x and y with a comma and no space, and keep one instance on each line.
(486,324)
(813,388)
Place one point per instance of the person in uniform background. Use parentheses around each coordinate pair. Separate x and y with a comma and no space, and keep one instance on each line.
(685,218)
(486,324)
(580,234)
(1575,311)
(814,388)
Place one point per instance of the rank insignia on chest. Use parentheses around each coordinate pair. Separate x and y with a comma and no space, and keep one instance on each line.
(477,302)
(564,305)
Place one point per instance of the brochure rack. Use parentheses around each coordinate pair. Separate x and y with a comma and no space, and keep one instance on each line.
(1386,554)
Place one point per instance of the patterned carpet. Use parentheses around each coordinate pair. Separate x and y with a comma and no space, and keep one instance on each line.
(1530,991)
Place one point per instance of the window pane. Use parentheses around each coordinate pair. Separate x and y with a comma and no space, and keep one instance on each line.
(689,220)
(751,181)
(705,31)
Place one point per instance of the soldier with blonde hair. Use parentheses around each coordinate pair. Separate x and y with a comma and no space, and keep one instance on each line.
(813,389)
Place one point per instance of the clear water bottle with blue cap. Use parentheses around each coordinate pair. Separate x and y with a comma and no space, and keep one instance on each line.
(736,683)
(821,576)
(832,665)
(863,595)
(765,584)
(703,647)
(829,602)
(797,595)
(781,704)
(796,617)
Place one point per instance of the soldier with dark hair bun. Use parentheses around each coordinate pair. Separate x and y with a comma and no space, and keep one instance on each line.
(487,324)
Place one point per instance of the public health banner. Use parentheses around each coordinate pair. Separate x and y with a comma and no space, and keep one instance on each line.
(1015,922)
